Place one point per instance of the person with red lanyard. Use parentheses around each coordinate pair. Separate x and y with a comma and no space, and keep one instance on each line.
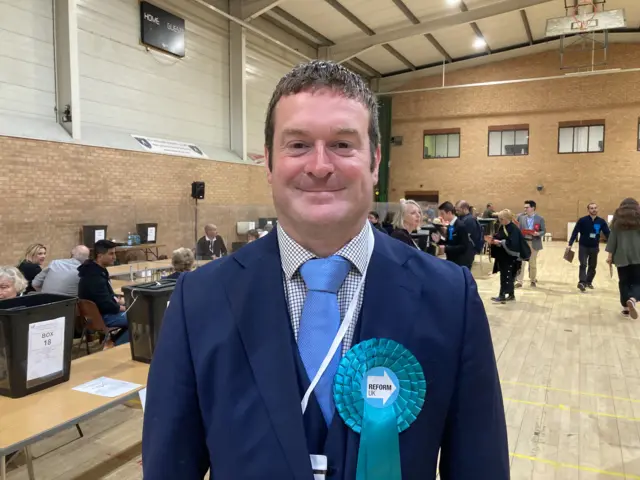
(533,227)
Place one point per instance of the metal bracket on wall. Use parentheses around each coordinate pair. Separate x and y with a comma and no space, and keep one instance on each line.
(582,47)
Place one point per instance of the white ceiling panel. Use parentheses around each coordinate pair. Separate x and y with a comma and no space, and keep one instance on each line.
(631,10)
(376,14)
(457,41)
(539,14)
(503,30)
(471,4)
(429,9)
(418,50)
(322,17)
(382,60)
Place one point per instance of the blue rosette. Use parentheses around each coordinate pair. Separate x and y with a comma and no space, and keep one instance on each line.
(379,391)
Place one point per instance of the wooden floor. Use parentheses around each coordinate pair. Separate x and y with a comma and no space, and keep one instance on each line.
(570,370)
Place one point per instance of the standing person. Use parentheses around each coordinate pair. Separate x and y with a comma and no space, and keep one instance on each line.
(509,247)
(624,252)
(489,211)
(533,227)
(229,386)
(589,227)
(457,244)
(406,221)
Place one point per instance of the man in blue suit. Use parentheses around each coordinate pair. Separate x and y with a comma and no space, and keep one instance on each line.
(245,335)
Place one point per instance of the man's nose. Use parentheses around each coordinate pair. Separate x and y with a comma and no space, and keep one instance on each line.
(319,165)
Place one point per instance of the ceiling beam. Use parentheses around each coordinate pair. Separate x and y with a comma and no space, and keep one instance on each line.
(364,68)
(367,31)
(303,27)
(254,8)
(527,25)
(438,47)
(476,29)
(413,19)
(349,48)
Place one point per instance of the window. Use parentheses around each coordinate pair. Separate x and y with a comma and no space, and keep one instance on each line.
(586,136)
(508,140)
(441,143)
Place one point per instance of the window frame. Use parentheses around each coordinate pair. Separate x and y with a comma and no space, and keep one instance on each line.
(443,132)
(582,123)
(508,128)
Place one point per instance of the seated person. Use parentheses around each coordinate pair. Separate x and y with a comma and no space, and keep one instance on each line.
(252,235)
(267,228)
(181,261)
(211,245)
(61,276)
(12,283)
(95,285)
(31,264)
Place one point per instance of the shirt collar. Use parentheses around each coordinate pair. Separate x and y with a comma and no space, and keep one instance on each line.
(293,255)
(452,223)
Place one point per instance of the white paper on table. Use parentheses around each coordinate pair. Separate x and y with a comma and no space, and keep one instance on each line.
(99,235)
(143,397)
(151,234)
(107,387)
(46,348)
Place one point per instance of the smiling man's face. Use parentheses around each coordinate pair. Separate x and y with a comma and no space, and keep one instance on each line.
(321,171)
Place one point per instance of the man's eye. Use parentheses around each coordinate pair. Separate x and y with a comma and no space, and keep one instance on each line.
(343,145)
(297,145)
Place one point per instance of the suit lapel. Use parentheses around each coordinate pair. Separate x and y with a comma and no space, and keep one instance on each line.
(389,310)
(257,300)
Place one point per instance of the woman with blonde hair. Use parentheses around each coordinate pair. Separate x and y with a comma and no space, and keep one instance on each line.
(624,251)
(407,220)
(31,264)
(508,248)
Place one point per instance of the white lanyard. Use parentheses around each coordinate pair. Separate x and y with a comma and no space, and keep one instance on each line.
(346,323)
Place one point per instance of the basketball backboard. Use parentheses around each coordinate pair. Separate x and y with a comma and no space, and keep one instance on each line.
(586,22)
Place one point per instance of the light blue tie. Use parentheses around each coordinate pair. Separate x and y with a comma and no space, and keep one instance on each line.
(320,323)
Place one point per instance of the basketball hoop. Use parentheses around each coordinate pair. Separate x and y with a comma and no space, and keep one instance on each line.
(584,13)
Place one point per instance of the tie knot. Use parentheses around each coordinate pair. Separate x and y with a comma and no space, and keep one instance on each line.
(325,274)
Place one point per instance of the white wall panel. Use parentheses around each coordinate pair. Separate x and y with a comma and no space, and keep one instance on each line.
(125,87)
(27,75)
(266,64)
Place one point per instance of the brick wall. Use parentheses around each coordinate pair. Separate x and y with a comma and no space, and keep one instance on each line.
(49,190)
(570,181)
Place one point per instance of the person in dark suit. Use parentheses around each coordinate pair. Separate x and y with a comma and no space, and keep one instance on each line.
(457,245)
(229,385)
(211,245)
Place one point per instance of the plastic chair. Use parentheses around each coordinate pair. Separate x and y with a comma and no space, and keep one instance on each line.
(94,322)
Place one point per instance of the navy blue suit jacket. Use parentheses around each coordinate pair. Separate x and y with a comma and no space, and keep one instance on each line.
(222,391)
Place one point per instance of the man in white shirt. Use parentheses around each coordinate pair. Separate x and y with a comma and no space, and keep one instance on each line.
(61,276)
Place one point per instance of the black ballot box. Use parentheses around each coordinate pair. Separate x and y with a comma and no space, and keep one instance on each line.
(146,303)
(36,337)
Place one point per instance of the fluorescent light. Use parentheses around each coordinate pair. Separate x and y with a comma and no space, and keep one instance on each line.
(479,43)
(453,2)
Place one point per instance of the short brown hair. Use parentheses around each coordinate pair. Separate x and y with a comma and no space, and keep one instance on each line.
(317,75)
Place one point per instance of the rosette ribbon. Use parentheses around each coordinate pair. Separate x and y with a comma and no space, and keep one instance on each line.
(379,391)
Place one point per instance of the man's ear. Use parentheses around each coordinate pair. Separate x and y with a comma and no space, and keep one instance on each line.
(376,165)
(267,162)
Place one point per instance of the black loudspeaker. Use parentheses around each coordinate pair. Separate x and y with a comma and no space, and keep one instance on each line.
(197,190)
